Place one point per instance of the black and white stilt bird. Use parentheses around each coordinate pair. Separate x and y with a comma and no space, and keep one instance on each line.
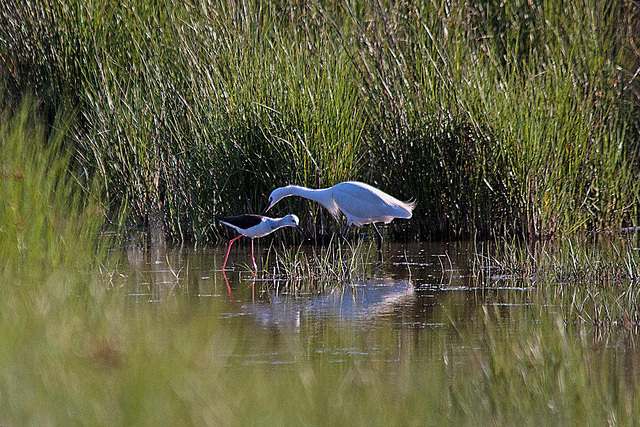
(253,226)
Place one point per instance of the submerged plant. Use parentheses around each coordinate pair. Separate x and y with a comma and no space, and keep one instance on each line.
(315,268)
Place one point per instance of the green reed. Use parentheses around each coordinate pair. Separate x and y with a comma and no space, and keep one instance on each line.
(47,212)
(500,117)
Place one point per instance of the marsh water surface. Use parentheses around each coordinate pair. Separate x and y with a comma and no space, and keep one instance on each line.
(423,301)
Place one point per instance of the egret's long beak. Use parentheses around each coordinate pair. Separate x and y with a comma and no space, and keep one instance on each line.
(266,209)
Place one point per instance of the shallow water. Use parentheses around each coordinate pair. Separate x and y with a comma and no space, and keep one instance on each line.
(423,299)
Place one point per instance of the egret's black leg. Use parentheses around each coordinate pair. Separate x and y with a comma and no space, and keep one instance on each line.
(344,233)
(379,237)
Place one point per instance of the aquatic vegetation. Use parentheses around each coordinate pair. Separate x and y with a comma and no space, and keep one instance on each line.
(594,277)
(499,117)
(122,360)
(317,268)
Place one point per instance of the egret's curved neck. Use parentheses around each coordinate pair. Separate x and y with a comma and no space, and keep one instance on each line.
(321,195)
(309,193)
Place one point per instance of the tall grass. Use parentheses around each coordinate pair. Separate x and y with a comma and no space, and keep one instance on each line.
(497,117)
(48,217)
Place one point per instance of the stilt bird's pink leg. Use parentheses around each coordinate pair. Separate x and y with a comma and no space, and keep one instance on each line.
(227,282)
(228,249)
(255,267)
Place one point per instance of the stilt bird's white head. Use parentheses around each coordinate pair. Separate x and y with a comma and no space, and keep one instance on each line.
(291,220)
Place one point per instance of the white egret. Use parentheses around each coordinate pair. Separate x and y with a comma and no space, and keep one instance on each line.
(361,203)
(253,226)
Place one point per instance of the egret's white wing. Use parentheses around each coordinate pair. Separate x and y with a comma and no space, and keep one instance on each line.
(363,203)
